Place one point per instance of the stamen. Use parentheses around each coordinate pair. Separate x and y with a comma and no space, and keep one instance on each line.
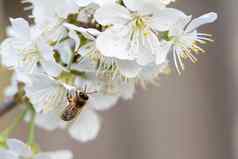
(204,34)
(207,39)
(199,48)
(175,61)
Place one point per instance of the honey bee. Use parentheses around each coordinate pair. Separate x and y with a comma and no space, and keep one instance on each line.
(76,101)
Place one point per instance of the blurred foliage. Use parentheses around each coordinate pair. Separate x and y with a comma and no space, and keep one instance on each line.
(4,74)
(4,80)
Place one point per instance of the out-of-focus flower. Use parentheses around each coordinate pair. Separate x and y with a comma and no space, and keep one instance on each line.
(16,149)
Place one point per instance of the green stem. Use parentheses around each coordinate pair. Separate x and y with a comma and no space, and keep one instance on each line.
(31,136)
(15,124)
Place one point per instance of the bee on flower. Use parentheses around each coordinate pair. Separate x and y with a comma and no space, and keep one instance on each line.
(49,98)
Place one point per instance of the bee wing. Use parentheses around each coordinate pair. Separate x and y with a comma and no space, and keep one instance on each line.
(70,112)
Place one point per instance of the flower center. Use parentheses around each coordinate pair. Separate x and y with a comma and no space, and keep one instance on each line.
(140,21)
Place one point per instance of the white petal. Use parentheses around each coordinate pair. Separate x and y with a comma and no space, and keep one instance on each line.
(19,147)
(81,29)
(112,14)
(52,68)
(144,6)
(46,11)
(9,55)
(89,33)
(148,47)
(45,49)
(65,51)
(44,93)
(162,55)
(166,18)
(204,19)
(20,29)
(178,27)
(7,154)
(91,82)
(103,2)
(86,65)
(86,127)
(102,102)
(48,121)
(73,35)
(151,71)
(130,69)
(48,62)
(116,44)
(66,8)
(82,3)
(22,76)
(43,11)
(145,57)
(42,156)
(88,48)
(63,154)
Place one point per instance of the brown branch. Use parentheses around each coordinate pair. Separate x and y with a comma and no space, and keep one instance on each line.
(7,106)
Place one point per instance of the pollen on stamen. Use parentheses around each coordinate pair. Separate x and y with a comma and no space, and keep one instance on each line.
(187,54)
(197,49)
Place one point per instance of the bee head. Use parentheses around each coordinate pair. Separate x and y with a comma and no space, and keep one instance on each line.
(83,95)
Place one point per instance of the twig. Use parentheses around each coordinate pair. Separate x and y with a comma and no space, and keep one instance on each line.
(7,106)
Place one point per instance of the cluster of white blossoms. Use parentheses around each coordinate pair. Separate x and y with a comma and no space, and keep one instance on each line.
(104,48)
